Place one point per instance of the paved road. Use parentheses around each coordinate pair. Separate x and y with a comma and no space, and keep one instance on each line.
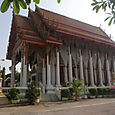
(85,107)
(93,109)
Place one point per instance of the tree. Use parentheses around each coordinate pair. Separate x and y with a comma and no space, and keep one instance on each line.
(15,4)
(77,88)
(32,93)
(105,5)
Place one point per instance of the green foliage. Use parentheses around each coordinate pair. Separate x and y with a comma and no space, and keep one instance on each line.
(37,1)
(22,4)
(16,7)
(32,93)
(65,93)
(58,1)
(71,91)
(5,5)
(77,88)
(105,91)
(93,91)
(104,5)
(28,2)
(100,91)
(16,4)
(13,94)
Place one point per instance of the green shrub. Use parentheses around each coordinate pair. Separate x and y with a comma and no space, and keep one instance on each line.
(65,93)
(71,91)
(100,91)
(93,91)
(105,91)
(13,94)
(111,91)
(32,93)
(77,88)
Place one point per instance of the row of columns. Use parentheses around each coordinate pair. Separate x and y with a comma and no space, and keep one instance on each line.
(24,69)
(50,71)
(49,84)
(57,76)
(92,72)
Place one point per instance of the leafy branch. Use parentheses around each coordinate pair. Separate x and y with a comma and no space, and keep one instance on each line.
(104,5)
(16,4)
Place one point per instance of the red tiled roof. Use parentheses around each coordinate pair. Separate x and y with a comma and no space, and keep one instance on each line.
(25,26)
(75,26)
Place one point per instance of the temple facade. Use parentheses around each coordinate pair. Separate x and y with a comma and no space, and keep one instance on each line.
(54,49)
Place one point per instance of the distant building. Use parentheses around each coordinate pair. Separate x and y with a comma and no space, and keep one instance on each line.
(57,48)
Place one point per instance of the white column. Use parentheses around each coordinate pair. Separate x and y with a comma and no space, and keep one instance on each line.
(91,70)
(53,74)
(23,77)
(48,74)
(53,70)
(44,73)
(95,73)
(65,74)
(70,67)
(21,74)
(58,71)
(100,71)
(86,74)
(81,69)
(13,73)
(25,73)
(108,72)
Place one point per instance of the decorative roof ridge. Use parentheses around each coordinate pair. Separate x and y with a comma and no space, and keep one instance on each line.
(55,13)
(67,17)
(105,34)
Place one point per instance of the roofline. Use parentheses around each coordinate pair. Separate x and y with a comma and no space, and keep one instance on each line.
(68,17)
(105,33)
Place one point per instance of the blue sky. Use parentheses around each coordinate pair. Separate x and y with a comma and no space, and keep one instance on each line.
(78,9)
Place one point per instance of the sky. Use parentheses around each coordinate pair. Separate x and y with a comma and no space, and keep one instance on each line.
(77,9)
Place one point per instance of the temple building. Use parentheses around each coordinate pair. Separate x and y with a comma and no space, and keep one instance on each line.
(52,49)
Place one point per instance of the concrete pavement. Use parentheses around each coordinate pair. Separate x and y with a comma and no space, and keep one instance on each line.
(83,107)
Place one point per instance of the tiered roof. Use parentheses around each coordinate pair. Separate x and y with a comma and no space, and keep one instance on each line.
(27,29)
